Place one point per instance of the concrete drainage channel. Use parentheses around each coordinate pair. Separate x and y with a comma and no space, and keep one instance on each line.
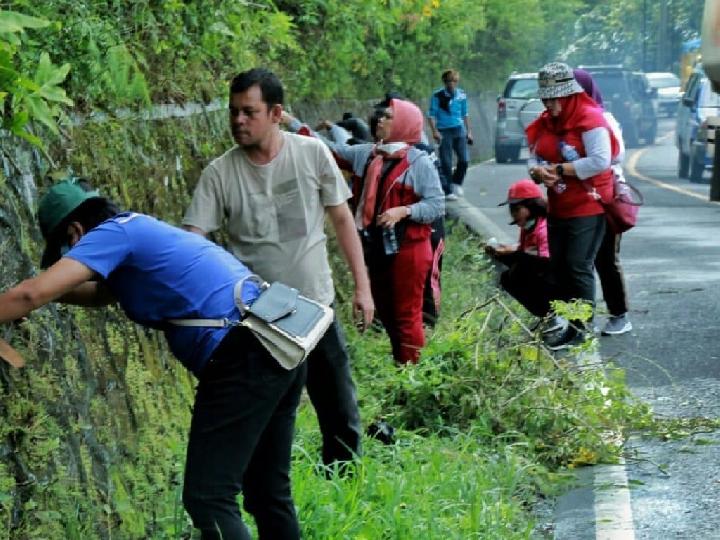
(598,507)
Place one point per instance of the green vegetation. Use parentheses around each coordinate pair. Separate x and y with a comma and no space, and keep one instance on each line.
(93,432)
(123,53)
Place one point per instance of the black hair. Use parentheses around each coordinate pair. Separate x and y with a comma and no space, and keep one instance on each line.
(537,206)
(90,214)
(270,86)
(389,96)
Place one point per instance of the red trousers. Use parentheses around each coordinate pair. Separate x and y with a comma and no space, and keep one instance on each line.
(397,290)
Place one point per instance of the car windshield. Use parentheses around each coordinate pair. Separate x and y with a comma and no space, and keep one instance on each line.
(611,84)
(664,82)
(522,89)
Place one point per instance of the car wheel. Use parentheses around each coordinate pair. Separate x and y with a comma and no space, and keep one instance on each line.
(631,136)
(683,165)
(500,155)
(514,153)
(697,167)
(650,135)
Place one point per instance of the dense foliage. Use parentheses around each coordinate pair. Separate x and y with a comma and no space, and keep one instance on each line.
(125,52)
(640,34)
(93,431)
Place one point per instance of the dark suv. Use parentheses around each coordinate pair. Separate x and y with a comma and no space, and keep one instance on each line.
(631,100)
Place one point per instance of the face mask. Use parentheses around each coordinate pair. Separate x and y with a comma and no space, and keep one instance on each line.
(529,224)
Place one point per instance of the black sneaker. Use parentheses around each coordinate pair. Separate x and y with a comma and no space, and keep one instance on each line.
(553,324)
(565,340)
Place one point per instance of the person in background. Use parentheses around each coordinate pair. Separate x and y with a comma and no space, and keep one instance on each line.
(449,122)
(274,189)
(349,130)
(357,126)
(527,277)
(244,413)
(607,262)
(571,149)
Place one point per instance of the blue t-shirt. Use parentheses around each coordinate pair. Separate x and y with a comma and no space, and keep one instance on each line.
(447,109)
(159,272)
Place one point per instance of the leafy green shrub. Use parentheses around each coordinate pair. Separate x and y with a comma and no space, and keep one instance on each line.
(483,371)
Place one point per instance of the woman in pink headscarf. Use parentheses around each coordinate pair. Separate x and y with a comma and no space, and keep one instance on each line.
(398,194)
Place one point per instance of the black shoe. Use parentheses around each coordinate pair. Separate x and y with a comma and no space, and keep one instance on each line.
(571,337)
(382,431)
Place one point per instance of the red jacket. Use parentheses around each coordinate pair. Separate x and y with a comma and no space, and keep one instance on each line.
(580,114)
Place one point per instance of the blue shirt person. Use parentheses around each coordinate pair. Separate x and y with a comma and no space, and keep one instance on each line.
(244,413)
(449,121)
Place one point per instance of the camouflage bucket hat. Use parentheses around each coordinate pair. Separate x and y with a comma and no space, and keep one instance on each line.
(556,80)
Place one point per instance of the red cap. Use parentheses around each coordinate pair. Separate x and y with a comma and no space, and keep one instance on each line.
(522,190)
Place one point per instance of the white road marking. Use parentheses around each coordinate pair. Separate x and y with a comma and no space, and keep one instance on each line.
(611,493)
(613,513)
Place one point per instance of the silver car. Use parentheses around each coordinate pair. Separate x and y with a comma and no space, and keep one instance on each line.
(517,106)
(698,113)
(668,91)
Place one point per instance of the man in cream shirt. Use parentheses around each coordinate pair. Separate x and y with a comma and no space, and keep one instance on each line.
(273,190)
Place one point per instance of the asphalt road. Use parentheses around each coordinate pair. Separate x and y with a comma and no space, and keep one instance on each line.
(672,268)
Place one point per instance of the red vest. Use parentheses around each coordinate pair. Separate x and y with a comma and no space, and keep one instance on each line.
(394,191)
(576,200)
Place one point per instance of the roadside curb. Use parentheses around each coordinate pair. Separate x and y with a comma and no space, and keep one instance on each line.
(476,220)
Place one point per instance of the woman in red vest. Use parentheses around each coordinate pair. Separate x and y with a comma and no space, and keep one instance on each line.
(571,148)
(397,194)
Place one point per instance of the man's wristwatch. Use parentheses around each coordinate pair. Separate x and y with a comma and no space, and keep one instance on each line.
(559,169)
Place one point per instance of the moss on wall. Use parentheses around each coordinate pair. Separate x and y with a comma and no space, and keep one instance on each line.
(93,430)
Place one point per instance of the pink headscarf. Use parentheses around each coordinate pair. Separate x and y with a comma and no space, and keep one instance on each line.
(406,128)
(407,122)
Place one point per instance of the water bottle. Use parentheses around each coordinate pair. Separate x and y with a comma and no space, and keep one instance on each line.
(390,241)
(569,153)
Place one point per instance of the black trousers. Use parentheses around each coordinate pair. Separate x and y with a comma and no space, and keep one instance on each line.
(574,243)
(240,440)
(332,393)
(612,280)
(528,280)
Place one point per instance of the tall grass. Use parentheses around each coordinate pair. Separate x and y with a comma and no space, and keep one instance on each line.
(486,423)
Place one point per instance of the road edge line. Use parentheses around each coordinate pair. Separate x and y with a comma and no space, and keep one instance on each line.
(631,168)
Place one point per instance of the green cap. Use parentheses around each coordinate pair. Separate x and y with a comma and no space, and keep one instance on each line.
(59,202)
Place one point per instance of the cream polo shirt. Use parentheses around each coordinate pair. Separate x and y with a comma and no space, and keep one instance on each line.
(275,212)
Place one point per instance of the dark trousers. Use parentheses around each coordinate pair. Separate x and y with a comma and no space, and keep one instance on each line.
(527,279)
(612,281)
(453,140)
(240,440)
(574,243)
(332,393)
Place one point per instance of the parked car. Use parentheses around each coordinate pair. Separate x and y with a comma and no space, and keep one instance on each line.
(698,111)
(520,92)
(668,91)
(629,97)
